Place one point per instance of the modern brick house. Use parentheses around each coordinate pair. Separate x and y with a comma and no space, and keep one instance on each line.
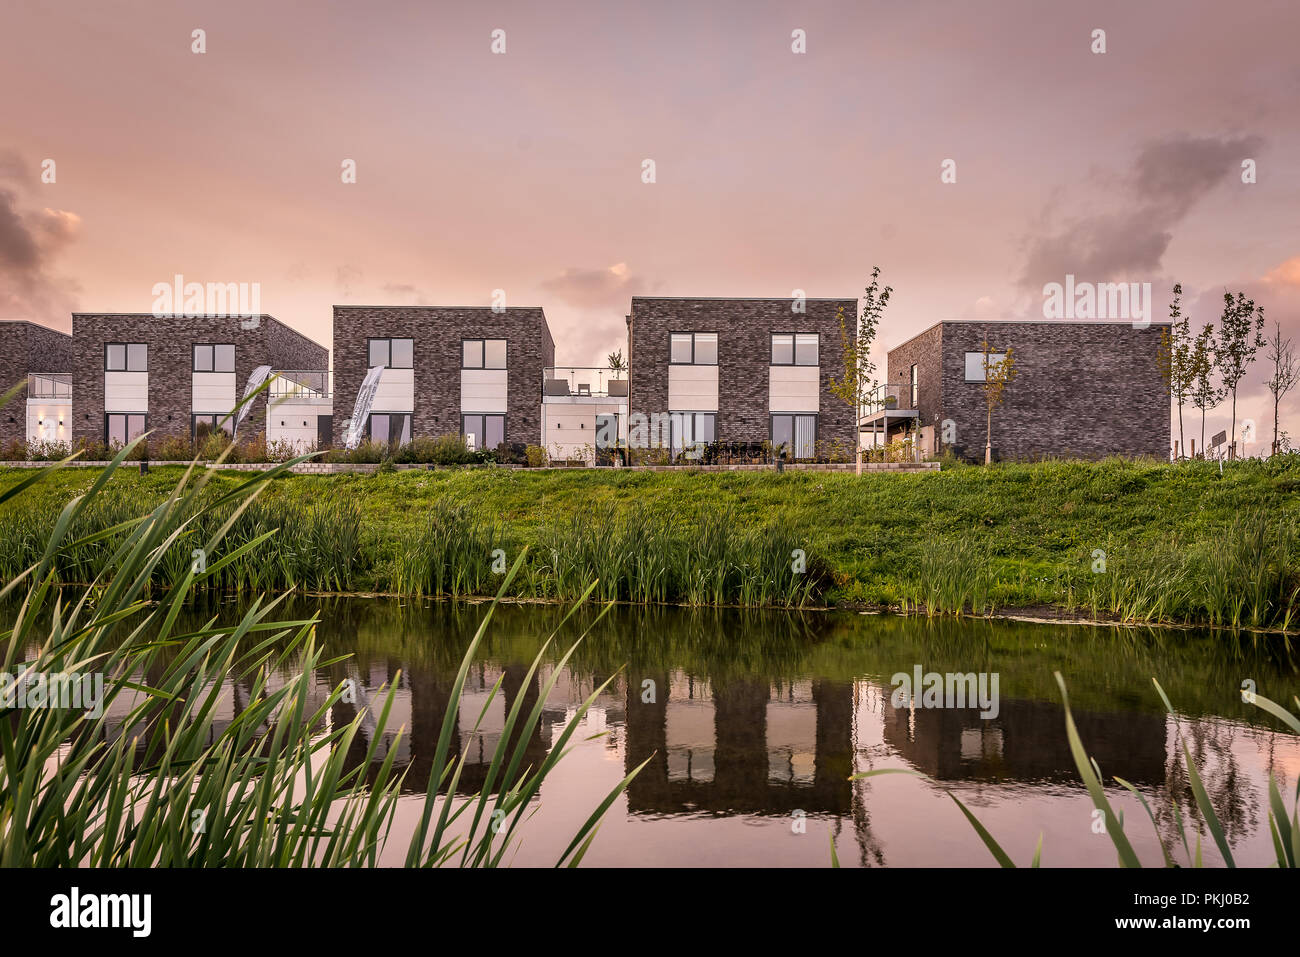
(1083,389)
(179,375)
(40,359)
(584,413)
(446,370)
(741,370)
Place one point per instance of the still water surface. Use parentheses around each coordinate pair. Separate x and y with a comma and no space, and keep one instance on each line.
(759,719)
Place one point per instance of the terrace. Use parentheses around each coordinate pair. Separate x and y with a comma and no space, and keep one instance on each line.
(572,382)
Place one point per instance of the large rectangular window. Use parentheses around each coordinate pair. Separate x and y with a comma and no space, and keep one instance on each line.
(126,357)
(795,349)
(914,386)
(482,430)
(392,353)
(975,364)
(483,354)
(213,357)
(796,433)
(121,427)
(203,424)
(689,429)
(391,427)
(693,348)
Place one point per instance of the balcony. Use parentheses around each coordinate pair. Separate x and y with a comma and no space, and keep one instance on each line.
(564,382)
(886,404)
(310,385)
(49,385)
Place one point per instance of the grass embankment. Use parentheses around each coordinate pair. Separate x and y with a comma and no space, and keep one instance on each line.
(1141,541)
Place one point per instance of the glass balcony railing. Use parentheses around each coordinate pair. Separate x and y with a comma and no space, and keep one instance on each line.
(562,381)
(49,385)
(889,398)
(301,384)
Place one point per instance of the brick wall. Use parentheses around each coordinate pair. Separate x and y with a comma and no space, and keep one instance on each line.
(744,328)
(171,342)
(924,351)
(437,332)
(27,347)
(287,348)
(1082,390)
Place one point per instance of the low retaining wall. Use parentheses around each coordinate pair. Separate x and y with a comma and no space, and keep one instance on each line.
(334,468)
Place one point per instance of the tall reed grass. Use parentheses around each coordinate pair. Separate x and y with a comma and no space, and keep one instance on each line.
(714,557)
(1247,576)
(453,552)
(153,780)
(950,577)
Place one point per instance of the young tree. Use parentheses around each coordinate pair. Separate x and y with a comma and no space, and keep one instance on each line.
(859,370)
(997,376)
(1235,347)
(1205,395)
(616,361)
(1286,373)
(1175,359)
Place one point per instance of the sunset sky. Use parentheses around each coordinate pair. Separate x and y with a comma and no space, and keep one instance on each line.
(775,171)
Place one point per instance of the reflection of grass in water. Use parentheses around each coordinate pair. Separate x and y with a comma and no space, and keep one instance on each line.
(1102,661)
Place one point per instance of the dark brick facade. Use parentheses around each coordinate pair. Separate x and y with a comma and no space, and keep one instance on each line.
(259,340)
(27,347)
(437,332)
(1082,389)
(744,328)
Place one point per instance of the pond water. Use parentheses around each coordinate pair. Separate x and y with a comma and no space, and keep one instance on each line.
(757,720)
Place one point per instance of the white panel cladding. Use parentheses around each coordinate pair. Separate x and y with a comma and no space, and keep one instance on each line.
(212,392)
(295,422)
(396,391)
(692,389)
(44,417)
(126,392)
(793,389)
(568,428)
(483,390)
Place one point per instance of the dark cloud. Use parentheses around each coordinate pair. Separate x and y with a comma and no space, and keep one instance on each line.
(30,241)
(1129,241)
(611,287)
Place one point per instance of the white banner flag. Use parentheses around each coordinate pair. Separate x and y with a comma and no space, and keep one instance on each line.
(255,381)
(361,412)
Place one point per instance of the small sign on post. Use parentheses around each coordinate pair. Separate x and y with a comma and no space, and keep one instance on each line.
(1218,439)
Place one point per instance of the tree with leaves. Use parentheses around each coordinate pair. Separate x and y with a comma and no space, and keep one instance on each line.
(859,379)
(998,374)
(616,361)
(1286,374)
(1205,394)
(1235,346)
(1174,356)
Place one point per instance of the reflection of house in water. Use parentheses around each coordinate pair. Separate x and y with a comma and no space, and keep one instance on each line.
(739,744)
(420,705)
(1025,742)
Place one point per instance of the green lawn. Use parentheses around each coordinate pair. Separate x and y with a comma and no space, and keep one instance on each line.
(1033,527)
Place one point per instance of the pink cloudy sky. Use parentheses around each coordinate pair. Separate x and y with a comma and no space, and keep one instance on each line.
(775,171)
